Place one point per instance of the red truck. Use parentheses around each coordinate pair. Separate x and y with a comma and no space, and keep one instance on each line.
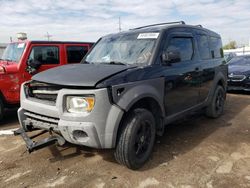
(23,59)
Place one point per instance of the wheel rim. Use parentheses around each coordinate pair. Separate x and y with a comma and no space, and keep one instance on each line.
(219,103)
(143,139)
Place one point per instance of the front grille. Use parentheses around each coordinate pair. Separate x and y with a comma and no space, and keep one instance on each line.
(45,93)
(237,78)
(41,121)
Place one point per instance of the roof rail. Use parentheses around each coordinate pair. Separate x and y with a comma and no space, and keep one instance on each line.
(167,23)
(199,26)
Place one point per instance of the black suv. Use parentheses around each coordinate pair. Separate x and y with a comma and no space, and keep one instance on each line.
(127,88)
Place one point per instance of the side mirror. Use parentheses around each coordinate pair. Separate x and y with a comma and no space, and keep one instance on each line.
(171,57)
(34,63)
(33,66)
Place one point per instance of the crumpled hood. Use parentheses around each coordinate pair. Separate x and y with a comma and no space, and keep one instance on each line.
(87,75)
(239,69)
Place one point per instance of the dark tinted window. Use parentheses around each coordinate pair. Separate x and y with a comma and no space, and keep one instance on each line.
(203,46)
(45,54)
(183,45)
(76,53)
(216,47)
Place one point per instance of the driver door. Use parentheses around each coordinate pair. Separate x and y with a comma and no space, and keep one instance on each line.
(182,77)
(48,57)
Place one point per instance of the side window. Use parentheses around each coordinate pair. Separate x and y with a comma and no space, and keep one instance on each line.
(184,45)
(45,54)
(216,47)
(76,53)
(203,46)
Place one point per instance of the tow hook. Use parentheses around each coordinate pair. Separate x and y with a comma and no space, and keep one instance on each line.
(36,145)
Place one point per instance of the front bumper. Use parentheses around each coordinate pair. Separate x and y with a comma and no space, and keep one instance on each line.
(97,129)
(239,85)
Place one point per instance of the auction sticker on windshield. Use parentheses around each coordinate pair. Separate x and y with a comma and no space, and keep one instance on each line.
(148,36)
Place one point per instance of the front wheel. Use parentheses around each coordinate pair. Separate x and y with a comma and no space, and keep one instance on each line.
(136,139)
(216,107)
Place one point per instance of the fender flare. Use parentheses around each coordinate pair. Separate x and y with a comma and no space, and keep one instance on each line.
(133,92)
(220,77)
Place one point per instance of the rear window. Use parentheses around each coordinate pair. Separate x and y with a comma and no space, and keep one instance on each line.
(203,46)
(216,47)
(76,53)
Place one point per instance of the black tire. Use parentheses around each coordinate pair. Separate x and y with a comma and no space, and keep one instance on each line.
(1,109)
(136,139)
(216,107)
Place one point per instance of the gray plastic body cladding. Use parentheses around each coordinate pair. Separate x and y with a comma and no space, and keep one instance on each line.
(133,92)
(219,76)
(99,124)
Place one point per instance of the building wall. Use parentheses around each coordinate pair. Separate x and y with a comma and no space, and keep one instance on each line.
(239,51)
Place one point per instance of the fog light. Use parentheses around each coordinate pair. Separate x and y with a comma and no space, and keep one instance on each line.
(80,135)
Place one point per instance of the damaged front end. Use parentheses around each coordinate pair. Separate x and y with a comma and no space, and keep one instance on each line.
(36,145)
(55,109)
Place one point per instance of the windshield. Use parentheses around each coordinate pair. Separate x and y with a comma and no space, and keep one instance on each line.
(240,61)
(135,48)
(13,52)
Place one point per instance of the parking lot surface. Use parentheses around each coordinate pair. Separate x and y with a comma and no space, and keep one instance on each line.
(194,152)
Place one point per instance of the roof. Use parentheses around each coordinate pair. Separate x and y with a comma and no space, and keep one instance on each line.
(164,26)
(60,42)
(3,45)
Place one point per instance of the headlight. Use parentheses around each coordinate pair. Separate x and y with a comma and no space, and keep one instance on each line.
(80,104)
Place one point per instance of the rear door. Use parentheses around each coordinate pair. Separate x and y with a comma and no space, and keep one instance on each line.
(182,82)
(75,52)
(210,51)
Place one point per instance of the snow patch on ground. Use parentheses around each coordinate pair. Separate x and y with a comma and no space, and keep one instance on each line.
(7,132)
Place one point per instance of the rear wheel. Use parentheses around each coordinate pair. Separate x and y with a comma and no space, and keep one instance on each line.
(136,139)
(1,109)
(216,107)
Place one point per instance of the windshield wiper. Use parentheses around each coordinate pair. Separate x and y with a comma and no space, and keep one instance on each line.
(114,63)
(117,63)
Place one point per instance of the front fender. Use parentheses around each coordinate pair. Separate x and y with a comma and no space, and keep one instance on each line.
(126,95)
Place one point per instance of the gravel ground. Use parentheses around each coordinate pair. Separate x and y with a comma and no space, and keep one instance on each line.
(195,152)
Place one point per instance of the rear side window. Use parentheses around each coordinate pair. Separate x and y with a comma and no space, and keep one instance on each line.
(45,54)
(216,47)
(184,45)
(76,53)
(203,46)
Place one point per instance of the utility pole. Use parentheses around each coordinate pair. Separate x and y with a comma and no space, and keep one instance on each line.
(120,29)
(48,36)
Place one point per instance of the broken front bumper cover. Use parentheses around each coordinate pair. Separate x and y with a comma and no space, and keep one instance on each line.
(36,145)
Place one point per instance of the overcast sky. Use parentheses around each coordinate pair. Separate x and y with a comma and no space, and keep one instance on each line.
(87,20)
